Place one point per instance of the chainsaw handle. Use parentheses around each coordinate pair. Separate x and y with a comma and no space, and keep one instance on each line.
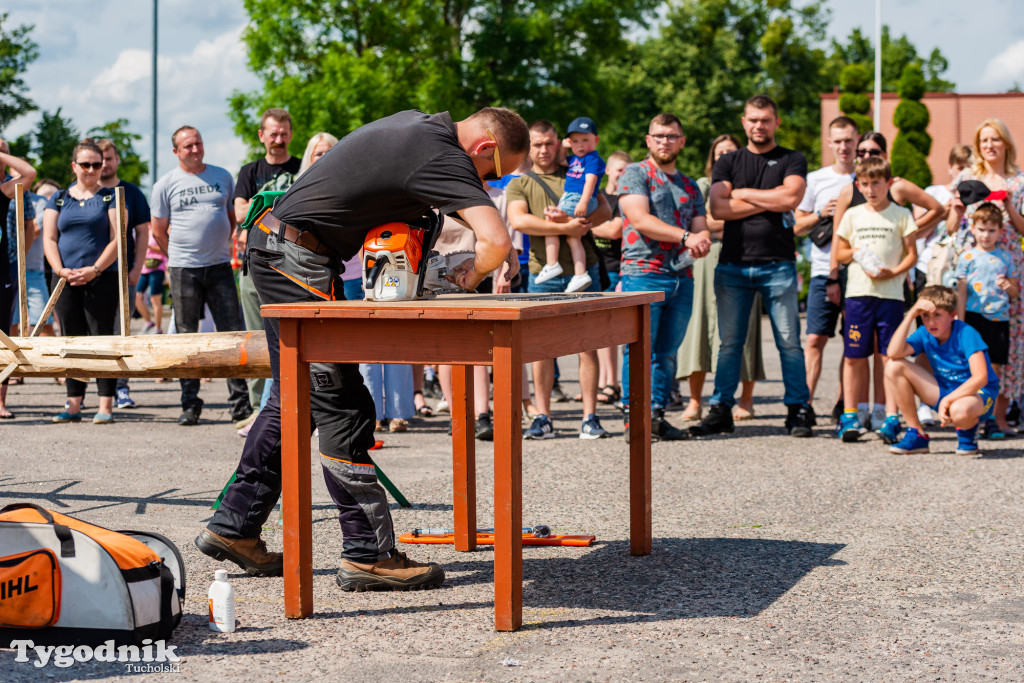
(370,280)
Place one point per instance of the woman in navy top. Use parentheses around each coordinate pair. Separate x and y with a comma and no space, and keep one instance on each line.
(79,242)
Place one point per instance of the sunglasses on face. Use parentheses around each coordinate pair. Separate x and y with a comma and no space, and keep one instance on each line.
(497,158)
(90,165)
(861,153)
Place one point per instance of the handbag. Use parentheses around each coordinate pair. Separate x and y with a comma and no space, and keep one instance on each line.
(821,233)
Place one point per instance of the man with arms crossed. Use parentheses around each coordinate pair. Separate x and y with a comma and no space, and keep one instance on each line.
(751,189)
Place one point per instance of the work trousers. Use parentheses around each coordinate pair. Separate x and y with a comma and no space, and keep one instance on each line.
(212,286)
(88,310)
(340,407)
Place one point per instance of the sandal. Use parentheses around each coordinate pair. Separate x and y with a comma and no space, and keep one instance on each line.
(424,411)
(739,414)
(692,414)
(609,394)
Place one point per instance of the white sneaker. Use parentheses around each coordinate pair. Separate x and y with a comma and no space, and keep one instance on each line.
(877,416)
(441,407)
(578,283)
(549,271)
(926,416)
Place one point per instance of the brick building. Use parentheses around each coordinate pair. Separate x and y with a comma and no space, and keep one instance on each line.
(954,118)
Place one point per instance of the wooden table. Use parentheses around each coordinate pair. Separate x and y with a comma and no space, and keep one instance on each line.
(460,330)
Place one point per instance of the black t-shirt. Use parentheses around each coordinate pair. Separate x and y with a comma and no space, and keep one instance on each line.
(138,213)
(760,238)
(608,250)
(394,169)
(260,176)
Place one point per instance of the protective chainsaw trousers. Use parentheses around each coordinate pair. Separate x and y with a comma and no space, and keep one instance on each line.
(340,406)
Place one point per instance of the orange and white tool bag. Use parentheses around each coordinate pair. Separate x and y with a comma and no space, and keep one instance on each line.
(64,581)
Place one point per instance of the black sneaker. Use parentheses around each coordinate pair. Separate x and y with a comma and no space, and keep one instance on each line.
(190,416)
(484,427)
(800,421)
(717,421)
(661,430)
(837,411)
(557,395)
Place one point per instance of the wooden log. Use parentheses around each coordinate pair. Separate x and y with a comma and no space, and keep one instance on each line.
(49,306)
(214,354)
(122,260)
(21,237)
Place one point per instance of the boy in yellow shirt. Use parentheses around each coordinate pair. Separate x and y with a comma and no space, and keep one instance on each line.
(877,240)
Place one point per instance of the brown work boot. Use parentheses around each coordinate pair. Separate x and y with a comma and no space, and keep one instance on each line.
(248,553)
(397,573)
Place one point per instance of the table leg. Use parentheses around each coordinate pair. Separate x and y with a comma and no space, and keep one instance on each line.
(463,457)
(640,436)
(508,478)
(297,503)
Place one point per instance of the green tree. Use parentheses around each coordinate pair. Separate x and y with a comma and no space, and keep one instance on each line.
(708,58)
(896,55)
(912,144)
(52,142)
(376,57)
(132,168)
(17,51)
(854,101)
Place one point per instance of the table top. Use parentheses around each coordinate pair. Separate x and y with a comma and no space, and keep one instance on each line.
(466,306)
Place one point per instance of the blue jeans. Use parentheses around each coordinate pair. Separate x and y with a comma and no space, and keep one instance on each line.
(390,386)
(669,319)
(735,287)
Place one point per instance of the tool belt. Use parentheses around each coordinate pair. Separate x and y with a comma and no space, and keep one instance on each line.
(271,225)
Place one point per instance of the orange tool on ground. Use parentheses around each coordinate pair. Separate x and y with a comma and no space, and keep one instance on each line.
(487,538)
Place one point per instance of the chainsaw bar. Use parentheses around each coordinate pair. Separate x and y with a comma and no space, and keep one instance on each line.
(553,296)
(438,265)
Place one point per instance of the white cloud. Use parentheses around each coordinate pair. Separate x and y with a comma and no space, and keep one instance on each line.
(1007,67)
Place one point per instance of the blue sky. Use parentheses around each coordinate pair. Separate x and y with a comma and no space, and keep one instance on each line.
(100,75)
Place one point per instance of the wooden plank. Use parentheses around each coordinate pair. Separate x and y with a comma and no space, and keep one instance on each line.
(6,372)
(54,295)
(216,354)
(11,345)
(640,435)
(463,458)
(122,260)
(297,504)
(508,477)
(460,306)
(565,335)
(22,238)
(448,342)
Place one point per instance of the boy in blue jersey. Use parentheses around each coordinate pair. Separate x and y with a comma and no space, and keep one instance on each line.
(964,386)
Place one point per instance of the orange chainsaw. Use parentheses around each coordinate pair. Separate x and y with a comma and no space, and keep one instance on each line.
(400,265)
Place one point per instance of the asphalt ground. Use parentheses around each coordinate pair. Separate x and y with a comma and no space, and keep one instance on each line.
(775,559)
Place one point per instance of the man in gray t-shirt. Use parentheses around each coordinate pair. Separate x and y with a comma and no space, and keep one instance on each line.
(192,222)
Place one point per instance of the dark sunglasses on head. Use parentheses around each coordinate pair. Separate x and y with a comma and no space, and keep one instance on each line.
(90,165)
(861,153)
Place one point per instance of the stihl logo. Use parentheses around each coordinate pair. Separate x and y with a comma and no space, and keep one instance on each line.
(11,587)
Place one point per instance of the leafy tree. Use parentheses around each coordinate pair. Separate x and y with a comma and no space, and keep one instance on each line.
(896,55)
(17,51)
(854,101)
(376,57)
(52,141)
(912,144)
(709,57)
(132,168)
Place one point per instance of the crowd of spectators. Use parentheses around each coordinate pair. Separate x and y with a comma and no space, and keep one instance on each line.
(722,248)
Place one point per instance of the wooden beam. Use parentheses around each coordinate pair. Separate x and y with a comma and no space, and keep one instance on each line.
(49,307)
(212,354)
(21,237)
(6,372)
(122,260)
(11,345)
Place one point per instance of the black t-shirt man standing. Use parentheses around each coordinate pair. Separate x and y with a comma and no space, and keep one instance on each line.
(394,169)
(752,191)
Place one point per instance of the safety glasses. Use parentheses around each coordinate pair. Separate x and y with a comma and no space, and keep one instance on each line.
(497,157)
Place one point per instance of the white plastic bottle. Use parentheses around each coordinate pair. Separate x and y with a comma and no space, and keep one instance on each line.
(222,603)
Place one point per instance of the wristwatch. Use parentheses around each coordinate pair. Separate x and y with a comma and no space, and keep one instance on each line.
(686,236)
(831,281)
